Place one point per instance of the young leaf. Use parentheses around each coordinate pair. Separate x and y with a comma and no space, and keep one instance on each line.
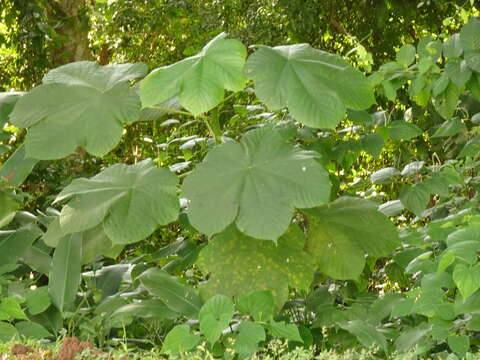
(284,331)
(179,340)
(415,198)
(316,86)
(256,184)
(458,72)
(7,332)
(177,296)
(78,104)
(249,335)
(446,102)
(466,279)
(469,38)
(258,304)
(342,232)
(38,300)
(198,81)
(215,315)
(255,265)
(406,55)
(64,277)
(459,344)
(130,201)
(10,309)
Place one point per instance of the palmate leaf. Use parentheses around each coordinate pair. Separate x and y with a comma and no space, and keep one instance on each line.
(78,104)
(199,81)
(256,183)
(316,86)
(239,264)
(129,200)
(342,232)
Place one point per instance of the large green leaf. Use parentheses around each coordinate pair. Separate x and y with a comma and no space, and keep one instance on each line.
(130,201)
(238,264)
(199,81)
(257,183)
(341,233)
(79,104)
(64,276)
(177,296)
(316,86)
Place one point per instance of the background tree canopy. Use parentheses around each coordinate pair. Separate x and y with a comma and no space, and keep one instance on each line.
(37,35)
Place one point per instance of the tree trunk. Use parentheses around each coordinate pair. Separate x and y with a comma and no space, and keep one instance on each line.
(71,43)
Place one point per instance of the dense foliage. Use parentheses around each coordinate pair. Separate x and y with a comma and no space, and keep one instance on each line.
(239,196)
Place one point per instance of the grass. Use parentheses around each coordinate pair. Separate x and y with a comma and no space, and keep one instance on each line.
(275,350)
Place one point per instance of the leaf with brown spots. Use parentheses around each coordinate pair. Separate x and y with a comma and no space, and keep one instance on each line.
(239,264)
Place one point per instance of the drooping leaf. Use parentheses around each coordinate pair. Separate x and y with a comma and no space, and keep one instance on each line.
(155,309)
(7,103)
(402,130)
(215,315)
(365,333)
(14,243)
(199,81)
(8,207)
(384,176)
(410,338)
(176,295)
(179,340)
(64,277)
(256,184)
(316,86)
(78,104)
(17,168)
(450,128)
(32,330)
(238,264)
(129,200)
(341,233)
